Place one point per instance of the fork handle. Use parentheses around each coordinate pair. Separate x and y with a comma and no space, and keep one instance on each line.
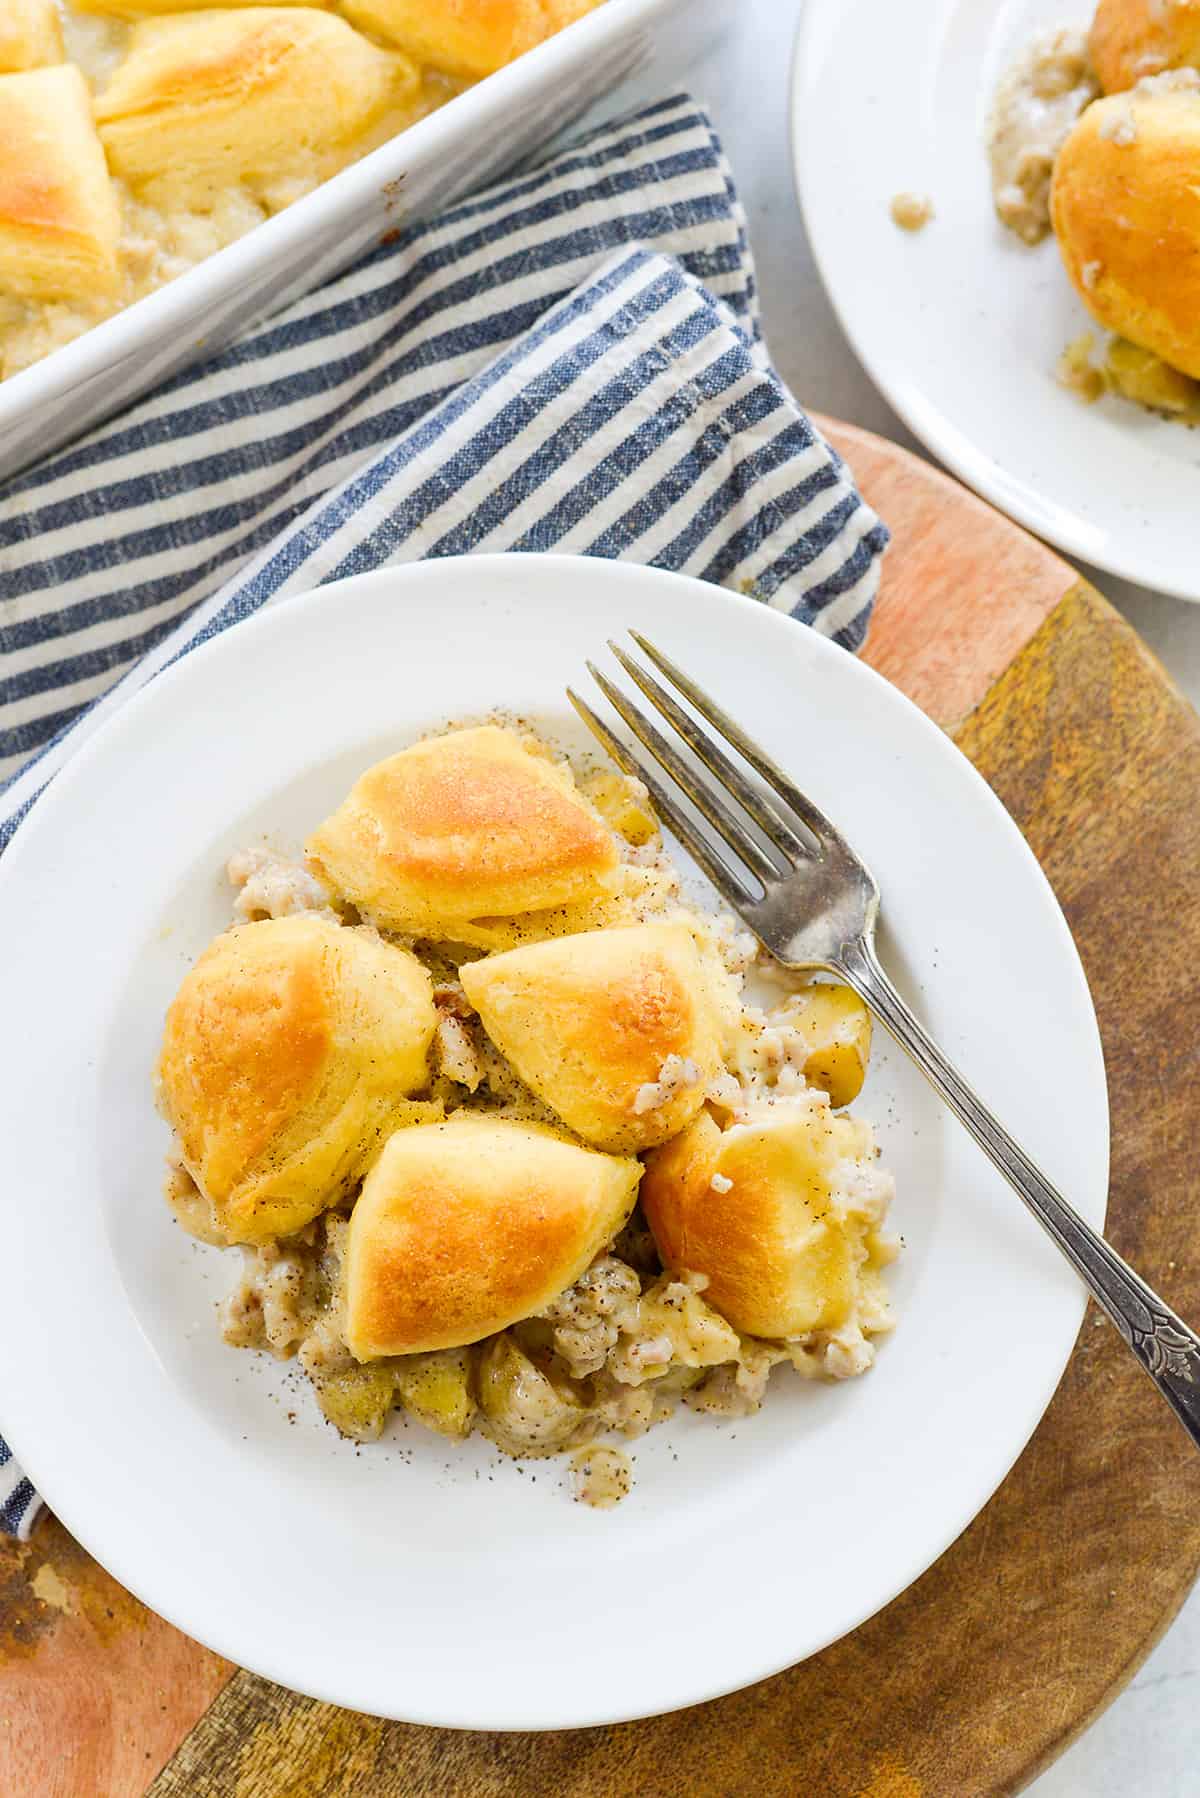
(1166,1348)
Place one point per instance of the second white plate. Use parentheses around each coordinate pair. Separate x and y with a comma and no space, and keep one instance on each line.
(961,325)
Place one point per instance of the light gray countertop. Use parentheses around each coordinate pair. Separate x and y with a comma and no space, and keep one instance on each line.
(1149,1741)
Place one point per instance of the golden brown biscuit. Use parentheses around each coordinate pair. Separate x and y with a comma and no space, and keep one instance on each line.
(1134,38)
(461,827)
(1126,210)
(207,98)
(30,35)
(754,1208)
(59,223)
(465,37)
(618,1031)
(287,1057)
(465,1227)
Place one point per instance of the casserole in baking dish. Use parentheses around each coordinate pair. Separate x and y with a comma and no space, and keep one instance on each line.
(197,169)
(140,136)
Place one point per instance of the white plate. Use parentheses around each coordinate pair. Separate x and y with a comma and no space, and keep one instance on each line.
(411,1579)
(961,325)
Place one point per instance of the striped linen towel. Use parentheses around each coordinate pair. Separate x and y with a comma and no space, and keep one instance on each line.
(570,361)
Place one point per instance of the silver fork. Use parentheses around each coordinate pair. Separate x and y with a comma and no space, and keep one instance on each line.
(813,904)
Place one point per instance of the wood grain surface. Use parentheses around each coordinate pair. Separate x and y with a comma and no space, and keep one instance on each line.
(96,1692)
(1035,1618)
(964,589)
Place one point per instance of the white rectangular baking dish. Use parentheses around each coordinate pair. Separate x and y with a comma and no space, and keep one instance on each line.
(455,149)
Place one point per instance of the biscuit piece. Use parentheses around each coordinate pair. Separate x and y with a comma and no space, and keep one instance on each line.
(59,223)
(30,35)
(618,1031)
(1134,38)
(287,1057)
(467,1226)
(1126,210)
(466,826)
(209,98)
(468,38)
(779,1213)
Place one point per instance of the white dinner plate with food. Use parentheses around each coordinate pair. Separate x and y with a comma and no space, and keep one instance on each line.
(440,1580)
(961,323)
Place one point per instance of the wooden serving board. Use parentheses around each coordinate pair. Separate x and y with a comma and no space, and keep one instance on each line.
(1032,1622)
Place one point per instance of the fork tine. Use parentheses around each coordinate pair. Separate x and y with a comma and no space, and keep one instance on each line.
(768,818)
(728,827)
(759,760)
(725,881)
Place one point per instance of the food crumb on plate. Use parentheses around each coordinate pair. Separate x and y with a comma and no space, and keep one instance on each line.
(912,212)
(602,1476)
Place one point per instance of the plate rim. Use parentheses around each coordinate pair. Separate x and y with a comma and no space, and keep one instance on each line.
(265,623)
(1060,525)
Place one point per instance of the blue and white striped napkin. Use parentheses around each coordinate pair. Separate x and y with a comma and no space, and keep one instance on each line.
(570,360)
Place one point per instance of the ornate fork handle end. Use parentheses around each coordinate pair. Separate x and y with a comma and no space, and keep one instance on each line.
(1171,1356)
(1162,1342)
